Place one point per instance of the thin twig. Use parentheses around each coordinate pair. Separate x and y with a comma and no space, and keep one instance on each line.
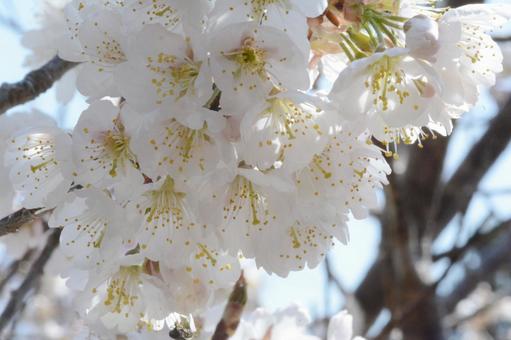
(31,280)
(232,312)
(34,84)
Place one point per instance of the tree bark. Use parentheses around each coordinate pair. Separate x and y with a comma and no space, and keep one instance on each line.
(34,84)
(424,321)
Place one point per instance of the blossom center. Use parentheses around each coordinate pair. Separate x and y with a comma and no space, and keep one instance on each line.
(173,79)
(206,254)
(165,201)
(38,146)
(387,81)
(184,145)
(243,194)
(123,288)
(109,51)
(249,58)
(116,143)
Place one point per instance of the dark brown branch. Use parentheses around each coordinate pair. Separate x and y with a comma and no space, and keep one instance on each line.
(422,182)
(16,220)
(232,312)
(31,280)
(34,84)
(459,190)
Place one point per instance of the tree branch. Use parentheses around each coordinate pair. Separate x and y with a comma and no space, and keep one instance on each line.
(493,254)
(422,184)
(13,268)
(16,220)
(458,3)
(31,280)
(34,84)
(502,39)
(458,192)
(423,296)
(232,312)
(477,240)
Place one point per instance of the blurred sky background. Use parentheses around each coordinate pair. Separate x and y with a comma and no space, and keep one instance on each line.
(350,262)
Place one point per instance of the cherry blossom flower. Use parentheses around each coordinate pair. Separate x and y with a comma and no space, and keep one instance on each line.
(289,323)
(248,60)
(288,127)
(93,226)
(163,72)
(43,43)
(123,292)
(99,42)
(102,145)
(468,57)
(245,203)
(394,92)
(168,146)
(39,159)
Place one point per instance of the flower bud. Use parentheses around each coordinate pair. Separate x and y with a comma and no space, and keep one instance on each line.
(422,37)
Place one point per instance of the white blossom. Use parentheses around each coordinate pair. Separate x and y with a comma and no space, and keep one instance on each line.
(39,158)
(288,127)
(99,42)
(468,58)
(102,148)
(93,227)
(123,295)
(246,204)
(166,145)
(393,91)
(291,323)
(164,72)
(248,60)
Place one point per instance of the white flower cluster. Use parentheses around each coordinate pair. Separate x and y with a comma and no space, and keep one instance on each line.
(291,323)
(232,128)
